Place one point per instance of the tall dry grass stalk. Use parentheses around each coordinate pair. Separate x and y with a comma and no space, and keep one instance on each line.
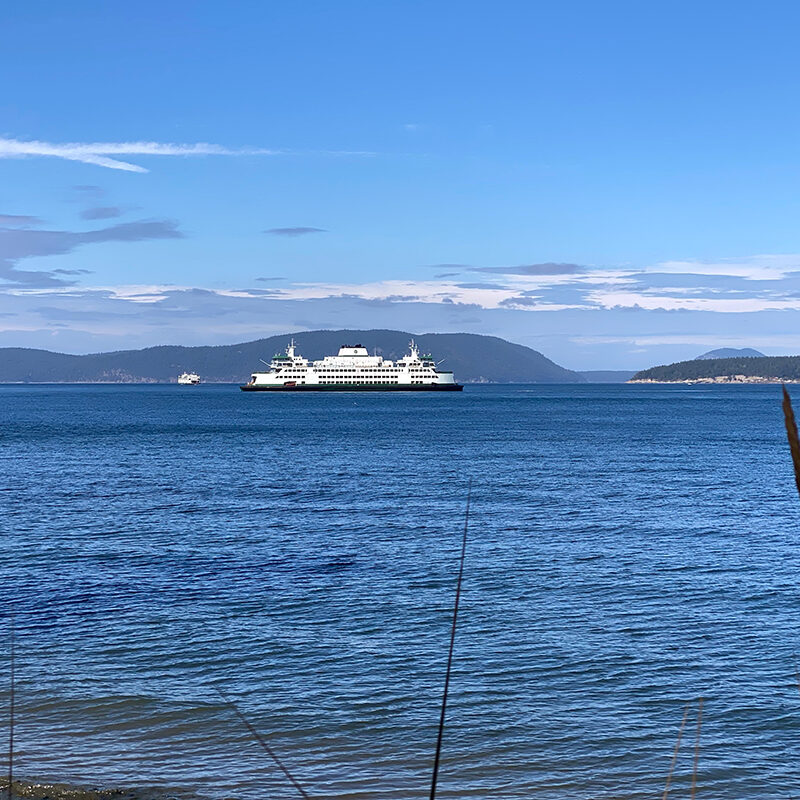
(697,746)
(791,433)
(260,739)
(437,756)
(675,753)
(11,698)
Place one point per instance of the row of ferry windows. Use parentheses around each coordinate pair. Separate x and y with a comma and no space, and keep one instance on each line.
(359,372)
(353,369)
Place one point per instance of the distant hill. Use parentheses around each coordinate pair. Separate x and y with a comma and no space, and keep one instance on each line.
(779,368)
(731,352)
(607,375)
(473,358)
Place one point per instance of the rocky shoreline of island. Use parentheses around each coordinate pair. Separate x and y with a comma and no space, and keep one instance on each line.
(740,369)
(720,379)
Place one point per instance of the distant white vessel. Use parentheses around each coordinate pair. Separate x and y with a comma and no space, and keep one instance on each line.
(188,378)
(353,369)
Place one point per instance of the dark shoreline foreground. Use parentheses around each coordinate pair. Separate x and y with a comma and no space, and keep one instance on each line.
(63,791)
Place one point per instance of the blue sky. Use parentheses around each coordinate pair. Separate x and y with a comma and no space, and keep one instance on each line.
(614,184)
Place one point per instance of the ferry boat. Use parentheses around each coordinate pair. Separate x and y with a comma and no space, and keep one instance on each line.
(188,378)
(353,369)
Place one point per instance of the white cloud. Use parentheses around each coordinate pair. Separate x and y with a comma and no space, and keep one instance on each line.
(596,289)
(762,267)
(761,341)
(768,267)
(747,302)
(102,154)
(89,319)
(438,292)
(723,305)
(396,291)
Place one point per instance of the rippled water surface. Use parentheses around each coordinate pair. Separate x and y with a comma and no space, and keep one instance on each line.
(631,548)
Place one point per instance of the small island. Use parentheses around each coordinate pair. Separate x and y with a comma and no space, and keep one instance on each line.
(743,369)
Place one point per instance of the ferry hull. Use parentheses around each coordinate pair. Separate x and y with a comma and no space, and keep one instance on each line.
(431,387)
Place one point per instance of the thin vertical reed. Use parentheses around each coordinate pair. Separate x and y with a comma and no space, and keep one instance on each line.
(260,739)
(11,716)
(796,674)
(452,644)
(675,753)
(697,746)
(791,433)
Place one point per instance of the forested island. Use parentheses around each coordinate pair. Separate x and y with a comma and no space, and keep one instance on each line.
(473,358)
(765,369)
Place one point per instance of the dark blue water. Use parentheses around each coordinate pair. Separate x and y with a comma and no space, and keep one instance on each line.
(631,548)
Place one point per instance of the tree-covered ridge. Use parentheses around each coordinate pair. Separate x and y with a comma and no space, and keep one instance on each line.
(473,358)
(779,367)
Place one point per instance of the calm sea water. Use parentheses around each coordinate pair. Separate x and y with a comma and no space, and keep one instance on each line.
(631,549)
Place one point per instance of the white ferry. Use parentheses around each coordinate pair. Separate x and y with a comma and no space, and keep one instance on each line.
(353,369)
(188,378)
